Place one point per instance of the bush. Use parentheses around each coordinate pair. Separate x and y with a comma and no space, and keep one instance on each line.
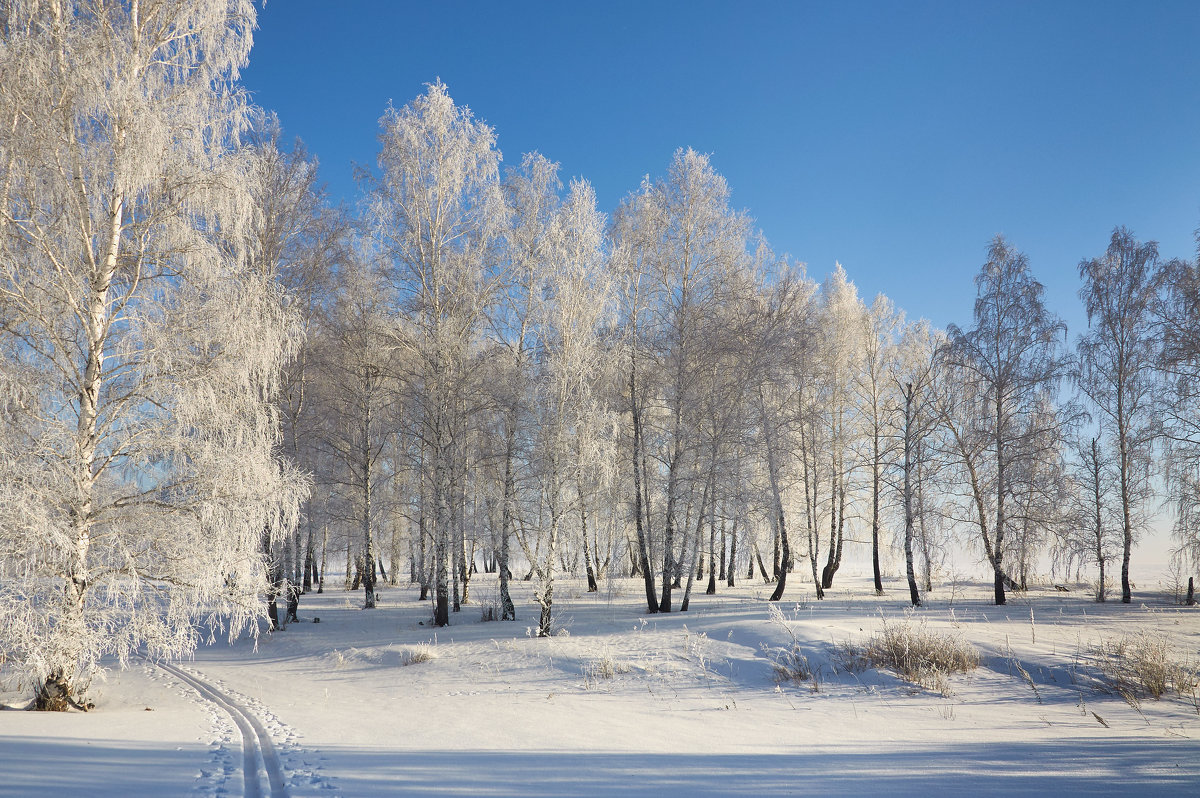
(1144,664)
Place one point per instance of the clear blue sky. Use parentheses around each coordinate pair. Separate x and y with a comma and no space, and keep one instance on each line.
(895,137)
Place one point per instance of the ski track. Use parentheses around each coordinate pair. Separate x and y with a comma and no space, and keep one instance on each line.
(257,745)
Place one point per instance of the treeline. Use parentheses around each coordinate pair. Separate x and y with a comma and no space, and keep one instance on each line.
(497,376)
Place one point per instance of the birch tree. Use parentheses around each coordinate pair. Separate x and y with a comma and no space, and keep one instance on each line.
(1178,317)
(913,373)
(842,341)
(633,245)
(877,399)
(682,239)
(1009,360)
(1117,358)
(1093,536)
(699,240)
(435,214)
(140,347)
(574,302)
(531,197)
(353,390)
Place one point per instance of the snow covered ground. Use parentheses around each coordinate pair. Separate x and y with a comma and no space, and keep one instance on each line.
(623,703)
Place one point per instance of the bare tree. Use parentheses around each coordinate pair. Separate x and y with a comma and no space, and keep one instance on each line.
(1093,537)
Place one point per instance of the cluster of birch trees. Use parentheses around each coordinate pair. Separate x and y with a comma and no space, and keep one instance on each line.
(499,377)
(215,384)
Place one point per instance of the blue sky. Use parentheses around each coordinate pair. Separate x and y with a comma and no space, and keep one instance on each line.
(897,138)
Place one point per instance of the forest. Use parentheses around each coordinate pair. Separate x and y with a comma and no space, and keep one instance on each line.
(219,390)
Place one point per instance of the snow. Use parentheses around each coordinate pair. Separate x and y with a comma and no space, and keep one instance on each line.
(624,703)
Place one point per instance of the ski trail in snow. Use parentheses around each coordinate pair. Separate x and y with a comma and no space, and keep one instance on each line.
(256,742)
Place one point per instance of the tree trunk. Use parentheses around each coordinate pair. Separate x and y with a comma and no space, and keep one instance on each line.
(761,567)
(1101,588)
(909,528)
(1126,521)
(508,611)
(732,554)
(668,564)
(643,548)
(706,499)
(810,511)
(422,564)
(999,528)
(324,559)
(711,590)
(545,573)
(875,514)
(724,545)
(368,573)
(309,552)
(587,555)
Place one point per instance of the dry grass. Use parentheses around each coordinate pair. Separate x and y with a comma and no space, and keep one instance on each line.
(915,653)
(789,662)
(1144,664)
(421,652)
(604,667)
(790,665)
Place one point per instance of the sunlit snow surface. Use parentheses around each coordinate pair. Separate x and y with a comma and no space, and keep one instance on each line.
(624,703)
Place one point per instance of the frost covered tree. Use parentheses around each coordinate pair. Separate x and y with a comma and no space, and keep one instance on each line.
(781,335)
(572,306)
(1117,359)
(140,347)
(877,400)
(683,240)
(1008,362)
(299,238)
(842,344)
(1178,317)
(914,374)
(531,197)
(353,390)
(435,214)
(633,244)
